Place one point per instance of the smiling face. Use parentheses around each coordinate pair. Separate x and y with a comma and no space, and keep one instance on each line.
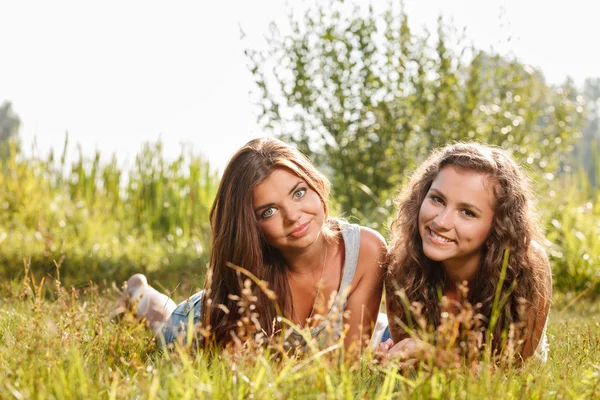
(290,214)
(455,219)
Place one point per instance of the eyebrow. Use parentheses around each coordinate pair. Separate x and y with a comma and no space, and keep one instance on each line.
(257,209)
(462,204)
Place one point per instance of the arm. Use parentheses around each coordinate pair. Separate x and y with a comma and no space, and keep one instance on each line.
(408,350)
(537,316)
(394,310)
(364,300)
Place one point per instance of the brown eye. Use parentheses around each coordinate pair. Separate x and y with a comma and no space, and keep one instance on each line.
(436,199)
(469,213)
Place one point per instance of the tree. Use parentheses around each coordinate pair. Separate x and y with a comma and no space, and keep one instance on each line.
(367,99)
(587,151)
(9,129)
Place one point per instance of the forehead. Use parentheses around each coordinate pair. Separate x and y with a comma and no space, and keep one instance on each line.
(279,183)
(465,186)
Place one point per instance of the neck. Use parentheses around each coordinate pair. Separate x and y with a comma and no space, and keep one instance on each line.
(458,271)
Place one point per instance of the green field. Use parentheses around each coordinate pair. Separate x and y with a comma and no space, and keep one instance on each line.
(57,343)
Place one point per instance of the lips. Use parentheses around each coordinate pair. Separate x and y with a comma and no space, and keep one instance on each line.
(437,238)
(300,231)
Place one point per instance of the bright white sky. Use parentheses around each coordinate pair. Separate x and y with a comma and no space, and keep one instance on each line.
(115,74)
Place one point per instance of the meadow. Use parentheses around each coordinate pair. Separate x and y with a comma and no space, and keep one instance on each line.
(56,343)
(73,228)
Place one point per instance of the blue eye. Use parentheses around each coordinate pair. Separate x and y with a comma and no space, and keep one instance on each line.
(268,213)
(298,194)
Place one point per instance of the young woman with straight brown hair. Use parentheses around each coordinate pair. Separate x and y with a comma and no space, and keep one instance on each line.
(271,218)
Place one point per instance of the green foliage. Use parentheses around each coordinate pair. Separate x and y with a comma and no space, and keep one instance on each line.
(571,211)
(367,99)
(9,129)
(587,148)
(106,222)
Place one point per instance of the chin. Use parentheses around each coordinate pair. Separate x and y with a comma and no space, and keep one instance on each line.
(306,241)
(434,255)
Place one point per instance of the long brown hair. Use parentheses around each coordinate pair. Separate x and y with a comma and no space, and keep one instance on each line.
(514,227)
(237,238)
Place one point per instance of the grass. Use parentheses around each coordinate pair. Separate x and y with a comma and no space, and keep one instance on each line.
(57,343)
(103,219)
(570,209)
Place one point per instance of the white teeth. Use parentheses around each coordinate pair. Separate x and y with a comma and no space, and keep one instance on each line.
(438,237)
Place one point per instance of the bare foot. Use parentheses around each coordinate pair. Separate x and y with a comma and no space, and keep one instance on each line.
(146,302)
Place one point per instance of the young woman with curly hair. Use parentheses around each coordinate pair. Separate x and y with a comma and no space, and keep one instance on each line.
(465,208)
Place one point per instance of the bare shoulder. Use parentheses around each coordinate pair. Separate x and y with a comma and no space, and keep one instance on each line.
(371,240)
(538,315)
(538,248)
(372,250)
(542,271)
(541,256)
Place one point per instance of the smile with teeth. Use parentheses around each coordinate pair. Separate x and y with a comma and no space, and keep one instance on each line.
(439,237)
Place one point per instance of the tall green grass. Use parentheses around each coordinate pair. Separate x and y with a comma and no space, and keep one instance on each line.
(103,221)
(65,348)
(570,209)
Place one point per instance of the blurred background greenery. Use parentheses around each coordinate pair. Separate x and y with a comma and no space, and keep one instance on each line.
(367,99)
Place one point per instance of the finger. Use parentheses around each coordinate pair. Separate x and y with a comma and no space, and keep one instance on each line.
(387,344)
(396,352)
(407,364)
(381,349)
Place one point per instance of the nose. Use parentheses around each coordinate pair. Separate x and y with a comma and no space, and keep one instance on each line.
(293,212)
(443,219)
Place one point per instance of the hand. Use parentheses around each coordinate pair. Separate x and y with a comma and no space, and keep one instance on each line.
(381,350)
(410,351)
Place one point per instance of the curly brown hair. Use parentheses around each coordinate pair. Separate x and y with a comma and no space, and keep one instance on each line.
(527,280)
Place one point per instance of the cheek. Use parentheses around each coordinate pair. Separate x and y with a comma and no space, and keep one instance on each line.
(485,230)
(314,202)
(480,233)
(425,213)
(268,229)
